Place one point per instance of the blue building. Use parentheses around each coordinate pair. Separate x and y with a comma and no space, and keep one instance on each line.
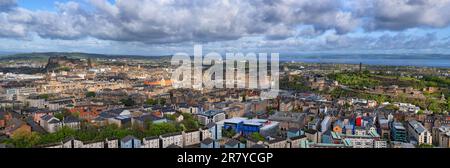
(130,142)
(245,126)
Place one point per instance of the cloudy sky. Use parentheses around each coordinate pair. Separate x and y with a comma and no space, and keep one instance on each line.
(156,27)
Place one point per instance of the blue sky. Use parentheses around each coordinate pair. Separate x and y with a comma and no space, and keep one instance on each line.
(38,5)
(157,27)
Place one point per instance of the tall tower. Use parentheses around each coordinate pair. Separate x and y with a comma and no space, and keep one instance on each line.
(360,67)
(89,63)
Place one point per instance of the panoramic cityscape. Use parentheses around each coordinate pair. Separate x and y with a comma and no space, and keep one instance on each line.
(270,74)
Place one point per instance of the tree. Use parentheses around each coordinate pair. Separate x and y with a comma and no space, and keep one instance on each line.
(171,117)
(160,129)
(257,136)
(244,98)
(228,133)
(90,94)
(347,105)
(448,104)
(425,146)
(183,127)
(270,110)
(355,80)
(67,69)
(151,102)
(65,113)
(189,122)
(23,139)
(391,107)
(76,114)
(44,96)
(380,99)
(366,72)
(434,106)
(420,112)
(162,102)
(243,140)
(128,102)
(60,116)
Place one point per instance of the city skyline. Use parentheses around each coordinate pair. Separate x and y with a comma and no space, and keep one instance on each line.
(148,27)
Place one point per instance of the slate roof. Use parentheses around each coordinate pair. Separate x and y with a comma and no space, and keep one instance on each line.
(210,113)
(54,121)
(112,113)
(298,137)
(144,118)
(418,127)
(34,126)
(173,146)
(171,134)
(128,138)
(106,115)
(167,110)
(151,138)
(183,105)
(310,131)
(232,142)
(207,141)
(93,141)
(17,124)
(258,146)
(36,110)
(46,117)
(71,119)
(210,125)
(99,119)
(67,139)
(275,140)
(191,131)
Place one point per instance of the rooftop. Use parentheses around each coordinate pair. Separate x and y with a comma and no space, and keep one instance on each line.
(207,141)
(418,127)
(71,119)
(232,142)
(258,146)
(210,113)
(262,123)
(151,138)
(128,138)
(288,116)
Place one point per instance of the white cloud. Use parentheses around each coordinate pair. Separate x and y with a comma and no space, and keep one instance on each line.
(6,5)
(172,21)
(405,14)
(283,24)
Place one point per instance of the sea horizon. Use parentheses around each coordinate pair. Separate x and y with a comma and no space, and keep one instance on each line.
(385,59)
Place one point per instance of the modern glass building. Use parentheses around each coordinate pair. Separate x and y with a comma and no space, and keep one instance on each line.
(398,132)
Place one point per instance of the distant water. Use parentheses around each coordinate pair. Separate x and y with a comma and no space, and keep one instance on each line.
(442,61)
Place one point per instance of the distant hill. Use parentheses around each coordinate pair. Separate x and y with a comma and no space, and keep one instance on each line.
(46,55)
(2,53)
